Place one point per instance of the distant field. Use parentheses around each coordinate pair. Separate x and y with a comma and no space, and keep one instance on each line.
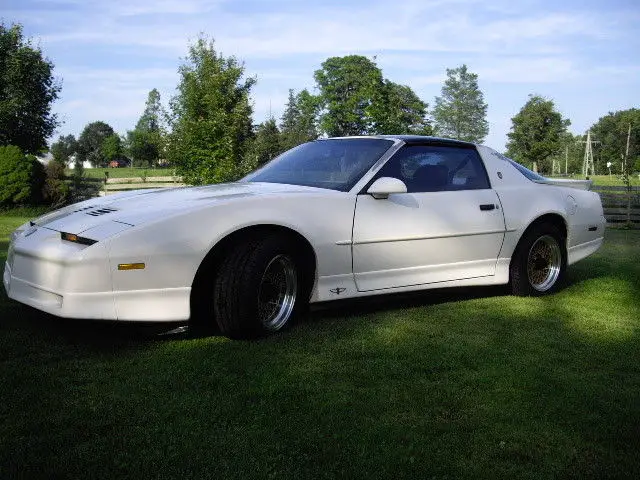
(126,172)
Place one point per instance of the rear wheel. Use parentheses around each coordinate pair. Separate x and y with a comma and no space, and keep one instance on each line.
(539,263)
(258,288)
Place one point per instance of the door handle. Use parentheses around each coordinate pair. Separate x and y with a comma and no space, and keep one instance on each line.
(487,206)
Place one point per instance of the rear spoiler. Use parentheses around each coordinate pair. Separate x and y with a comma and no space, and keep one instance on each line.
(565,182)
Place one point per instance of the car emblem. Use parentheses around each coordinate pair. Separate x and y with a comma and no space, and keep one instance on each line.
(337,290)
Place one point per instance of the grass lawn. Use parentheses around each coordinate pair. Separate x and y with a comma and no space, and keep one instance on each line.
(460,384)
(606,180)
(125,172)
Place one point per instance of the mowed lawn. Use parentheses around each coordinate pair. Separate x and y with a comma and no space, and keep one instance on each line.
(460,384)
(609,180)
(125,172)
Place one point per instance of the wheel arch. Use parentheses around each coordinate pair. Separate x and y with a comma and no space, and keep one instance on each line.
(211,262)
(555,219)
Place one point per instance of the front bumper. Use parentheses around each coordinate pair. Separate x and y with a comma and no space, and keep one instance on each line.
(75,281)
(157,305)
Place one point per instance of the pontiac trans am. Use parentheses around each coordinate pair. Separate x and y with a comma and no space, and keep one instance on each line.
(330,219)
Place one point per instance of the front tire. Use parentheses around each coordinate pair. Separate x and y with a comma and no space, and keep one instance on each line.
(539,263)
(258,288)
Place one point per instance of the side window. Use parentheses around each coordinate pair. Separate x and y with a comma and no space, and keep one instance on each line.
(435,168)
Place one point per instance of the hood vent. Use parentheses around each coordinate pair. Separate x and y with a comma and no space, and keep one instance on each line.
(101,211)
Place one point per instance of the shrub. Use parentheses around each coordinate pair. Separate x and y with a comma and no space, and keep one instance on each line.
(56,191)
(21,177)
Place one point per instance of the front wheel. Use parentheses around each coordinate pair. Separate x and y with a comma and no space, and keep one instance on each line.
(258,288)
(539,263)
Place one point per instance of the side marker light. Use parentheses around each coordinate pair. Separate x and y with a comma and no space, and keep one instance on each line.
(131,266)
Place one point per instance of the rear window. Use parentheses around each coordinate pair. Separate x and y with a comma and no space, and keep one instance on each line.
(533,176)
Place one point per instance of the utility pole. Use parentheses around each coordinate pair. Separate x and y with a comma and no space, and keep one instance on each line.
(626,155)
(627,179)
(566,159)
(587,164)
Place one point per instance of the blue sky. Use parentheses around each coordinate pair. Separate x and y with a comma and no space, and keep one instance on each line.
(109,54)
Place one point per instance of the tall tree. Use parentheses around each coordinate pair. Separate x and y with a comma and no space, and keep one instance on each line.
(267,143)
(348,86)
(90,143)
(145,143)
(612,131)
(211,116)
(461,111)
(536,134)
(299,123)
(398,110)
(152,116)
(27,92)
(64,149)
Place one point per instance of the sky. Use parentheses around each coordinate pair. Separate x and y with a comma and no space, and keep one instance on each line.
(582,54)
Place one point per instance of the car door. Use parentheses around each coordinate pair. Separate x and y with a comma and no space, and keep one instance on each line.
(448,226)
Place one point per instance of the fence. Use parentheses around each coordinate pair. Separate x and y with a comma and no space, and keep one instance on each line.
(620,205)
(117,185)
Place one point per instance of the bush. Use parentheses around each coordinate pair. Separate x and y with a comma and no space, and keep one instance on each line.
(56,191)
(21,177)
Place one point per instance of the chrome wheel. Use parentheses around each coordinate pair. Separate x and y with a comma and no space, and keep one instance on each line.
(544,263)
(277,292)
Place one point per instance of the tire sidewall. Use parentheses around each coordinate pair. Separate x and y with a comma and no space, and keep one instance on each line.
(519,278)
(264,254)
(237,286)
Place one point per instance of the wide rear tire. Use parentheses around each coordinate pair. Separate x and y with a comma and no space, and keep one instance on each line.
(259,288)
(539,263)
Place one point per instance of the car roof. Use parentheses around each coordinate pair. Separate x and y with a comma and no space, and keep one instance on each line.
(409,139)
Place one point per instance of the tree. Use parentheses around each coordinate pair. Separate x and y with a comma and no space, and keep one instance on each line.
(348,86)
(398,110)
(536,133)
(570,154)
(56,191)
(145,143)
(21,177)
(64,149)
(461,111)
(112,148)
(611,131)
(299,122)
(210,116)
(90,143)
(27,91)
(266,145)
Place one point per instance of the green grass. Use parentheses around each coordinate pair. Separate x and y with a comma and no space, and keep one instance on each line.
(608,180)
(126,172)
(451,384)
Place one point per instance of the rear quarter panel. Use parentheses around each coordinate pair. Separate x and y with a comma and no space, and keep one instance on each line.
(523,201)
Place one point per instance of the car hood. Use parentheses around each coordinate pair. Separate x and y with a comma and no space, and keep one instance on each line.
(140,206)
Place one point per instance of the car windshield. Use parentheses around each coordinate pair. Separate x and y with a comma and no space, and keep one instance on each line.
(336,164)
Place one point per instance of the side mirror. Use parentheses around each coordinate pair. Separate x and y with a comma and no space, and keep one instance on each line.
(385,186)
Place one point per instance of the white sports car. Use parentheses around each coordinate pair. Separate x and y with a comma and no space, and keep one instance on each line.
(330,219)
